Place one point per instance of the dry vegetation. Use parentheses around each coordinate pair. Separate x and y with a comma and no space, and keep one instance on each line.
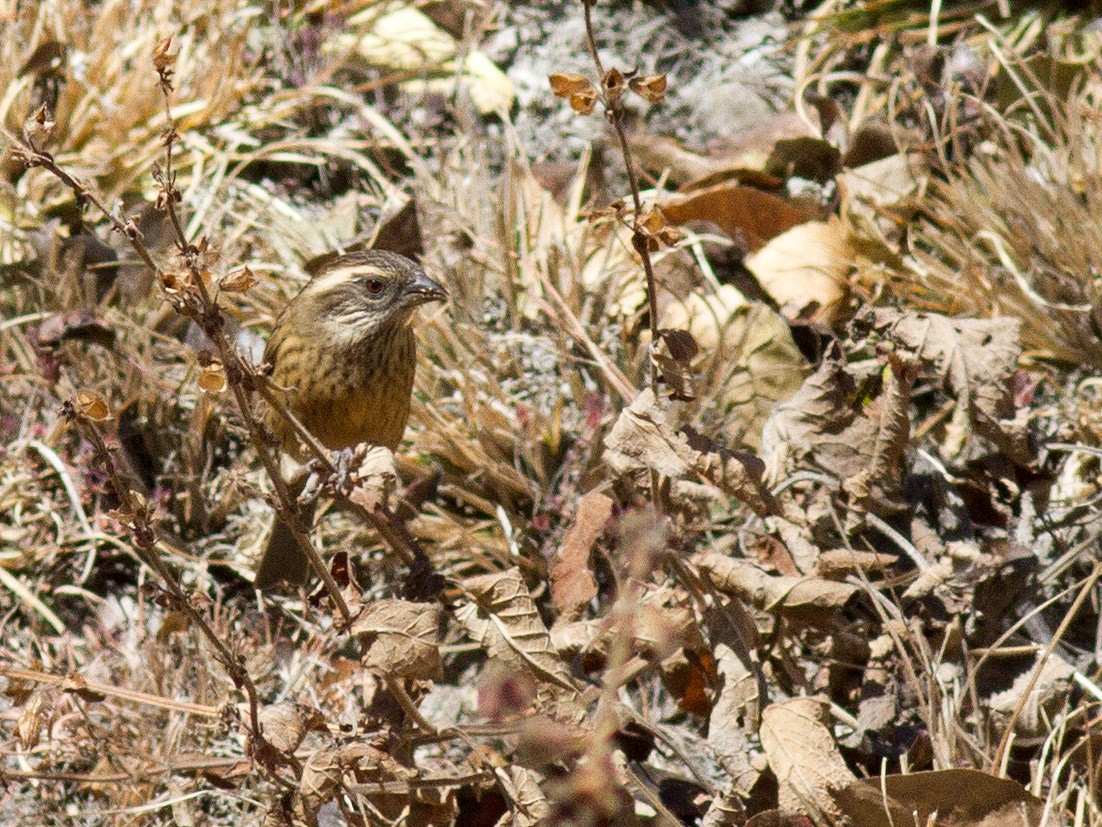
(826,553)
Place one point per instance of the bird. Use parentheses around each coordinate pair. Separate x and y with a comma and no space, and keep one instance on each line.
(341,357)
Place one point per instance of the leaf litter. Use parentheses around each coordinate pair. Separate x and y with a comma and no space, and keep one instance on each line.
(826,570)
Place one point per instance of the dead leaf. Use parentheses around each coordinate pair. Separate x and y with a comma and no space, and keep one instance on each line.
(676,363)
(286,724)
(1047,695)
(804,757)
(404,39)
(748,216)
(733,718)
(803,600)
(651,88)
(239,281)
(91,406)
(565,85)
(572,581)
(400,638)
(807,265)
(212,379)
(879,481)
(642,440)
(502,618)
(956,798)
(879,197)
(748,361)
(838,563)
(529,804)
(374,479)
(975,359)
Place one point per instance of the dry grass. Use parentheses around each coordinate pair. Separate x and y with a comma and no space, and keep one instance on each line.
(121,710)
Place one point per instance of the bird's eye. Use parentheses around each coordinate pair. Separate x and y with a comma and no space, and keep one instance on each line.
(374,286)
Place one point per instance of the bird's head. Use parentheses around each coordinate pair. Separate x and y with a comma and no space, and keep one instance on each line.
(365,292)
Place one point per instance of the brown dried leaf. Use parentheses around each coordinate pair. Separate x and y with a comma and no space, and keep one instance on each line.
(676,364)
(213,377)
(572,581)
(748,216)
(286,724)
(955,798)
(651,88)
(738,473)
(565,85)
(732,717)
(529,804)
(28,727)
(641,440)
(91,406)
(503,619)
(239,281)
(615,84)
(401,638)
(975,359)
(162,59)
(805,600)
(804,757)
(878,198)
(583,102)
(828,426)
(838,563)
(806,265)
(752,362)
(375,478)
(1047,694)
(879,481)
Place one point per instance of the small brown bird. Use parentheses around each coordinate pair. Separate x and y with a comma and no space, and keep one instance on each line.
(343,357)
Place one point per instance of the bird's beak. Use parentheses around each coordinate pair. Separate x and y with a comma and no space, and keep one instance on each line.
(423,289)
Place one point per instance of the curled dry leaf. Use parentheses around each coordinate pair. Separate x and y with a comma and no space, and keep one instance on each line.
(527,801)
(162,57)
(400,638)
(732,717)
(954,798)
(651,88)
(807,265)
(504,621)
(286,724)
(748,359)
(239,281)
(809,600)
(375,478)
(564,85)
(804,757)
(878,197)
(212,379)
(615,84)
(572,581)
(676,363)
(839,563)
(975,360)
(1047,694)
(748,216)
(92,406)
(575,88)
(642,440)
(880,479)
(828,426)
